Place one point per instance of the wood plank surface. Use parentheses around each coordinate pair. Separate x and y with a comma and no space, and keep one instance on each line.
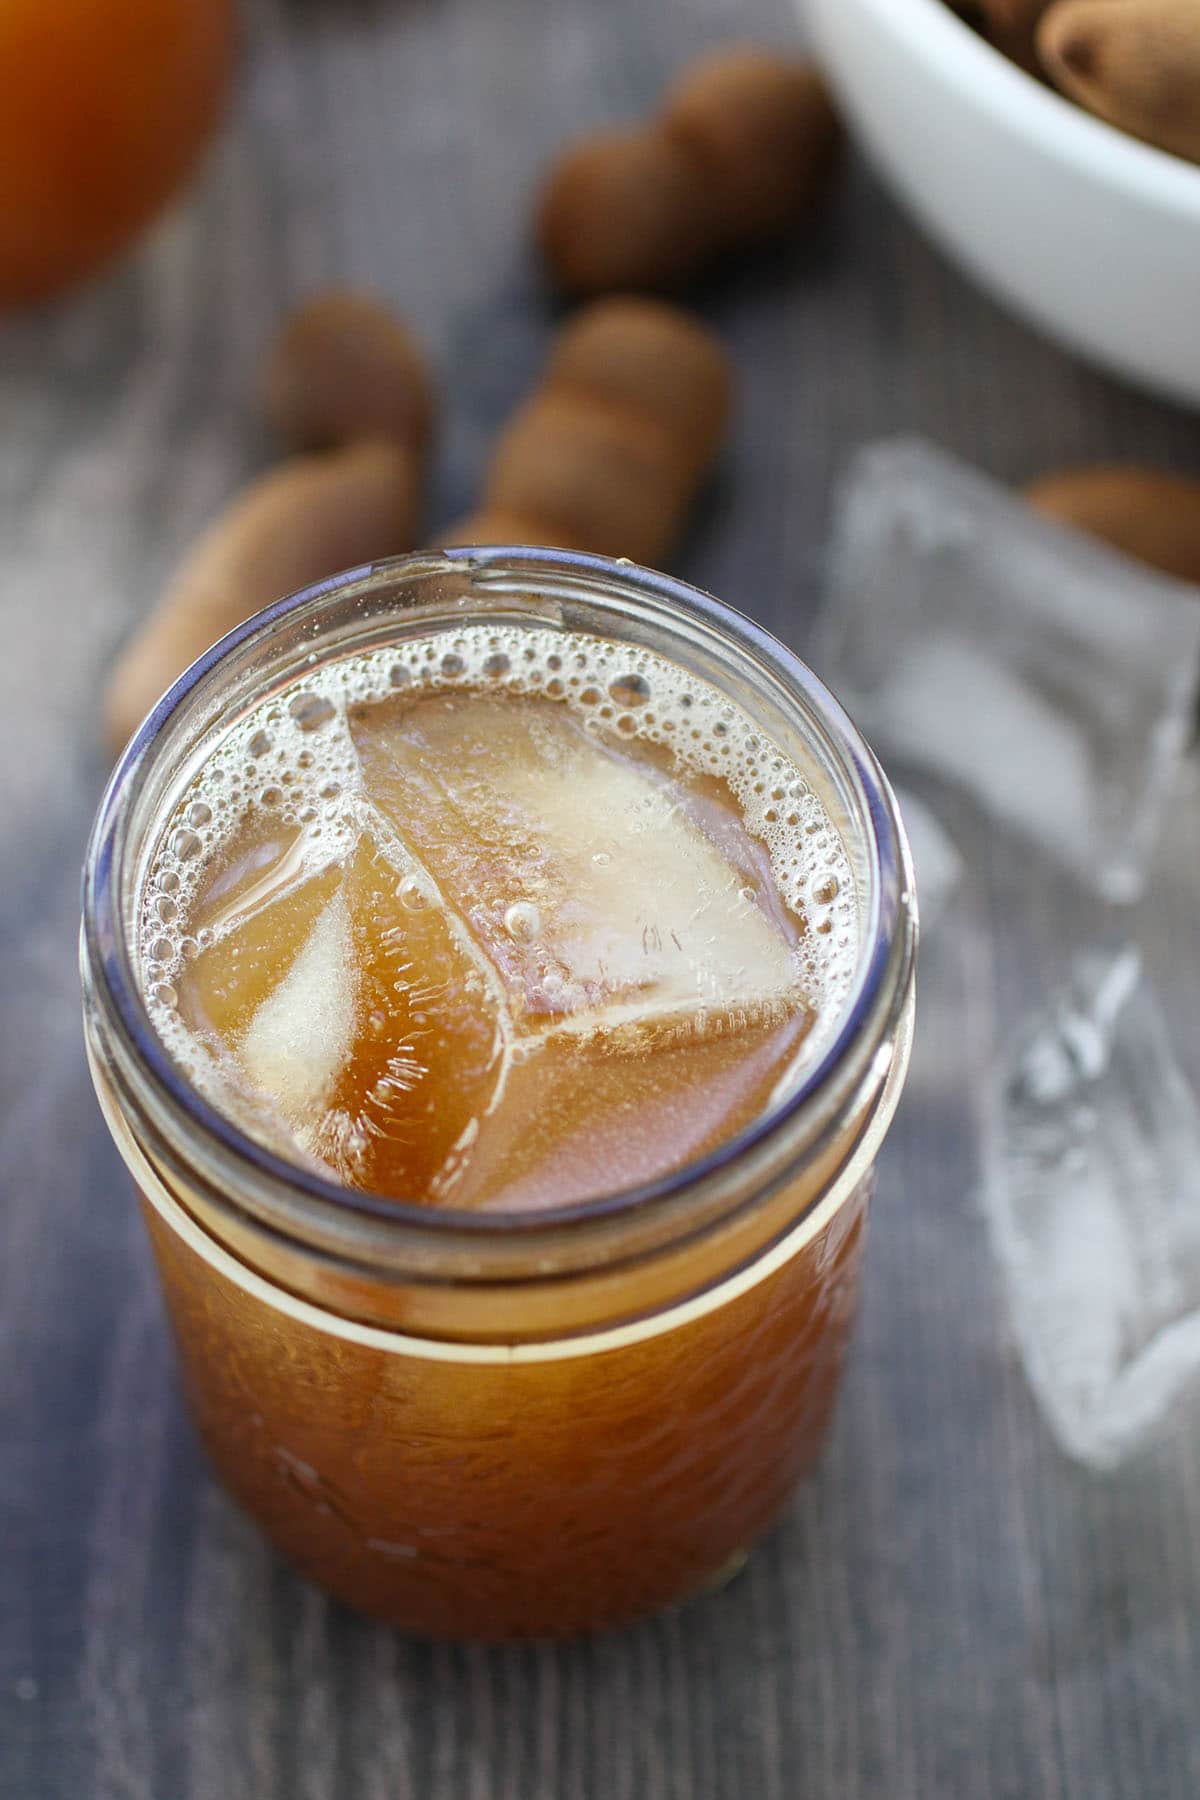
(949,1608)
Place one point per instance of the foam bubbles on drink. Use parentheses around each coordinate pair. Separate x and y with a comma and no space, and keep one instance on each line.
(311,710)
(185,845)
(294,758)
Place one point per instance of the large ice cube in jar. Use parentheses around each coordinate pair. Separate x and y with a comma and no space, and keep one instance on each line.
(594,881)
(354,1005)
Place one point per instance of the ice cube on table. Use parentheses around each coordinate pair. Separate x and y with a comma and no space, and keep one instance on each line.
(1051,678)
(588,878)
(1092,1192)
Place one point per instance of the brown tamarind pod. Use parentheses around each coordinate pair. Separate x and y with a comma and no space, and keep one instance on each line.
(1009,18)
(606,453)
(1151,515)
(743,145)
(344,367)
(304,520)
(624,209)
(653,358)
(762,131)
(1135,63)
(1008,24)
(608,477)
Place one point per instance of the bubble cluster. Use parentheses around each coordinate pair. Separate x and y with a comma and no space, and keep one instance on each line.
(522,922)
(294,757)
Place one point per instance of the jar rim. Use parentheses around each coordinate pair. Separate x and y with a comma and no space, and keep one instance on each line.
(875,996)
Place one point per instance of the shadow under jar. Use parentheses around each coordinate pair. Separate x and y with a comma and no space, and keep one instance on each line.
(499,1423)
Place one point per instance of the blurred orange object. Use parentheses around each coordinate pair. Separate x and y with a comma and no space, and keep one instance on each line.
(107,105)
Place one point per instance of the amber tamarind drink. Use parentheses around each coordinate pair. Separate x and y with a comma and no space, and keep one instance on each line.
(498,978)
(510,925)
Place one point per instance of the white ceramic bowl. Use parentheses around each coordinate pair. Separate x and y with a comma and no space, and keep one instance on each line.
(1088,233)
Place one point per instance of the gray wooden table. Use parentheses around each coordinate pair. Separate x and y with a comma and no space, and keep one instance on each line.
(950,1609)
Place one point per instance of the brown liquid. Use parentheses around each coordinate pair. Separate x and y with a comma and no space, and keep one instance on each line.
(498,1499)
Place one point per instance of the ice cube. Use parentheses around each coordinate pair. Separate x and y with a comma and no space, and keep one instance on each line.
(428,1054)
(588,877)
(267,860)
(589,1112)
(254,931)
(344,1013)
(1052,679)
(299,1038)
(1093,1199)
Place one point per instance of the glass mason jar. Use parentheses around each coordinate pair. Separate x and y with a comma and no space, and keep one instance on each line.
(508,1424)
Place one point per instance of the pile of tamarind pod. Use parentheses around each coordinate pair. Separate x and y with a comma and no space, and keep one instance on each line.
(1151,515)
(346,387)
(740,149)
(606,454)
(1135,63)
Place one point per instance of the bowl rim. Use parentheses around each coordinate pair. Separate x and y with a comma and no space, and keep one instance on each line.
(1027,108)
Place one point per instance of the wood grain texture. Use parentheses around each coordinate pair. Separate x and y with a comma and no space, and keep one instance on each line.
(949,1609)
